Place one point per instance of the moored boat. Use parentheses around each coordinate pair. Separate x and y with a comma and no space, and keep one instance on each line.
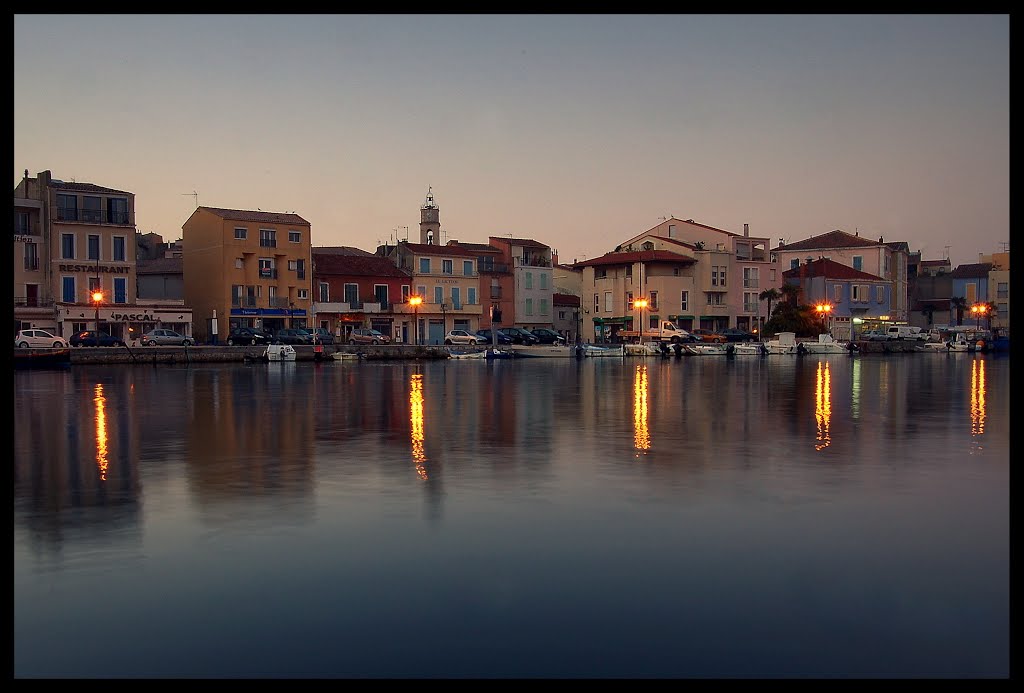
(826,345)
(542,351)
(594,351)
(784,343)
(42,358)
(749,349)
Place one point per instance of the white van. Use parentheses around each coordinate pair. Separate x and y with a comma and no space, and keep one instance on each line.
(906,332)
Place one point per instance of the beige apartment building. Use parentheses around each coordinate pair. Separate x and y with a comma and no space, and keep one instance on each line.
(72,239)
(526,293)
(689,273)
(246,268)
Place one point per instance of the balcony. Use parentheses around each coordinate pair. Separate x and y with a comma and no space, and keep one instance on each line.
(92,216)
(244,302)
(279,302)
(492,268)
(533,261)
(32,302)
(268,273)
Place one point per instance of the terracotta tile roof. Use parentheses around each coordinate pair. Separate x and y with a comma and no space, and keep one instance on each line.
(84,187)
(565,300)
(160,265)
(476,247)
(832,239)
(339,250)
(528,242)
(428,249)
(694,223)
(978,269)
(256,216)
(361,265)
(636,256)
(830,269)
(935,262)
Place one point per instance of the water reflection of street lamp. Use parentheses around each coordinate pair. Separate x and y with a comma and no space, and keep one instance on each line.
(979,309)
(640,303)
(97,297)
(415,302)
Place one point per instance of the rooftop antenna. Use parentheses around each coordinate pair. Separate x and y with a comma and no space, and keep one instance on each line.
(663,218)
(947,251)
(195,196)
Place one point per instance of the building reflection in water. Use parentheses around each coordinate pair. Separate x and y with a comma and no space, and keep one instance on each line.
(641,434)
(823,405)
(978,397)
(416,423)
(100,401)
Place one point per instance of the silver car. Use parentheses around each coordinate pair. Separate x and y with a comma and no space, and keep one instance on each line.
(165,337)
(463,337)
(38,339)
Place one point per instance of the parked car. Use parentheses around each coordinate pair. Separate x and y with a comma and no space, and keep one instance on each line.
(875,336)
(164,337)
(292,335)
(546,336)
(364,335)
(463,337)
(89,338)
(708,335)
(519,336)
(737,334)
(321,334)
(502,338)
(38,339)
(248,335)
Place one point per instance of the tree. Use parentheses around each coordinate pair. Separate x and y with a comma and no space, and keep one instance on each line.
(991,309)
(929,312)
(960,303)
(770,295)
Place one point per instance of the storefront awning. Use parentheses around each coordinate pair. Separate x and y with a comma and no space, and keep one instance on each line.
(680,317)
(609,321)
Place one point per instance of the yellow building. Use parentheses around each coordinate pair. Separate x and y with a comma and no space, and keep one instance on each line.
(246,268)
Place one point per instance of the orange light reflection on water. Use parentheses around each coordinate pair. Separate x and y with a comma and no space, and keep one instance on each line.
(978,397)
(101,431)
(416,423)
(641,434)
(823,405)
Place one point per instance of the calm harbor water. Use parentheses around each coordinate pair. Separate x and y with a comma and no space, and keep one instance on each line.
(701,517)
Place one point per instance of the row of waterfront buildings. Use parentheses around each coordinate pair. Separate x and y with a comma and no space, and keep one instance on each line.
(261,269)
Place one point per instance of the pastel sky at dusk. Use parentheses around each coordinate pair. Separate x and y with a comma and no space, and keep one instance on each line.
(577,131)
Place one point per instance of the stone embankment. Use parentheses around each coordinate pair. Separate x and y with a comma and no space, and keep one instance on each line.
(227,354)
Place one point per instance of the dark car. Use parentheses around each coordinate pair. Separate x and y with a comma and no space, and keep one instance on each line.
(736,334)
(248,335)
(321,335)
(89,338)
(519,336)
(502,338)
(293,335)
(546,336)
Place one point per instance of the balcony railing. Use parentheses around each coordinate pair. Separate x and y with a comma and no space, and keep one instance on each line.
(279,302)
(32,302)
(244,302)
(268,243)
(92,216)
(492,267)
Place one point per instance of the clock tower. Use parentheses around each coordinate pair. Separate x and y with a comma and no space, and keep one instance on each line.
(430,225)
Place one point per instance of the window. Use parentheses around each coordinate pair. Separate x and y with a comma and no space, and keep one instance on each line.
(31,256)
(629,300)
(597,303)
(438,294)
(601,273)
(406,293)
(241,233)
(879,294)
(717,275)
(721,276)
(1002,290)
(119,253)
(92,209)
(671,230)
(21,223)
(117,210)
(268,238)
(654,301)
(302,295)
(94,285)
(456,297)
(771,275)
(750,302)
(94,247)
(294,237)
(750,277)
(424,265)
(239,263)
(528,279)
(446,267)
(529,306)
(421,291)
(67,207)
(471,296)
(267,268)
(858,263)
(292,264)
(380,292)
(67,246)
(67,289)
(300,269)
(543,281)
(629,270)
(325,292)
(608,301)
(885,265)
(684,301)
(351,293)
(272,294)
(544,310)
(467,268)
(837,293)
(857,293)
(120,290)
(794,263)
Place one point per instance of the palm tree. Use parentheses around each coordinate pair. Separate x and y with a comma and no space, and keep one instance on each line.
(960,303)
(991,309)
(770,295)
(791,292)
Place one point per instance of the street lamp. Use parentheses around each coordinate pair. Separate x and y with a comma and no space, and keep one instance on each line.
(415,302)
(97,297)
(823,310)
(979,309)
(640,303)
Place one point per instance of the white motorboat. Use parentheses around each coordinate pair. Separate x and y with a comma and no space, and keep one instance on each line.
(749,349)
(542,351)
(709,349)
(784,343)
(345,356)
(594,351)
(645,349)
(826,345)
(280,352)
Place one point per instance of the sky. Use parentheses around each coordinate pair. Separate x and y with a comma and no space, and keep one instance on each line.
(578,131)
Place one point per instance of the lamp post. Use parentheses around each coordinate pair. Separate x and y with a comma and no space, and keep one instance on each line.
(415,302)
(979,309)
(823,310)
(97,296)
(640,303)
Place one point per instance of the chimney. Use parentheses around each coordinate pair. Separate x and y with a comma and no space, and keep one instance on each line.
(746,230)
(880,239)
